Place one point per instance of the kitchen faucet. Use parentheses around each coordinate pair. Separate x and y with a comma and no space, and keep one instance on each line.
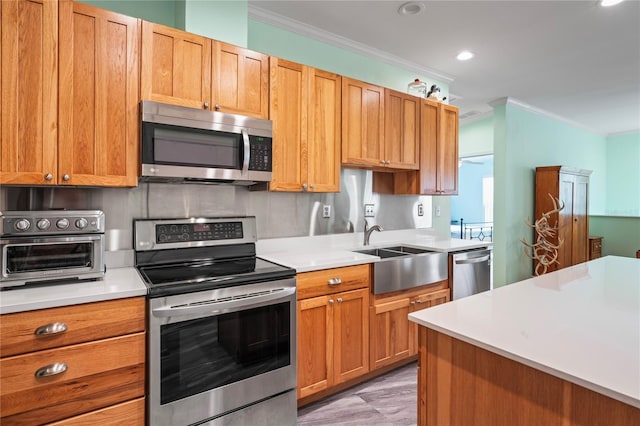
(368,231)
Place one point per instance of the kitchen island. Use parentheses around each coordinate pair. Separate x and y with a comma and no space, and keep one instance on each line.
(562,348)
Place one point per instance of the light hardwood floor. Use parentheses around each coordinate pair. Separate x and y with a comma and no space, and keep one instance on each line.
(389,400)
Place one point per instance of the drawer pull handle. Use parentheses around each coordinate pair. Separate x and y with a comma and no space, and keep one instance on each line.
(335,281)
(51,369)
(53,328)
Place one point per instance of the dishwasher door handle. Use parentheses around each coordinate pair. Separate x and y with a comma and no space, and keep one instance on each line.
(479,259)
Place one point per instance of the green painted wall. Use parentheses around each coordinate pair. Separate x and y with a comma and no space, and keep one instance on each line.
(523,141)
(294,47)
(165,12)
(476,138)
(623,175)
(621,235)
(219,20)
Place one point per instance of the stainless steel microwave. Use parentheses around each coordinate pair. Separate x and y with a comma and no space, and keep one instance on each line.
(188,144)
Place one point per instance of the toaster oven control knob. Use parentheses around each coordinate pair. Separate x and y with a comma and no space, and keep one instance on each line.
(43,224)
(62,223)
(81,223)
(22,225)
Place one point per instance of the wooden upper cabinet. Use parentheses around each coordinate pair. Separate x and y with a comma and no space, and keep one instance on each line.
(402,130)
(305,110)
(362,124)
(98,101)
(176,67)
(240,80)
(29,83)
(448,149)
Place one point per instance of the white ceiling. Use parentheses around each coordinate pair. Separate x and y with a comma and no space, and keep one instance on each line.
(572,59)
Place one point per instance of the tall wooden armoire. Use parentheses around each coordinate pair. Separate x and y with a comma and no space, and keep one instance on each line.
(571,187)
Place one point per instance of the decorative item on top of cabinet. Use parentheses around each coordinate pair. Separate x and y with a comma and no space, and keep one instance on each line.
(98,99)
(438,174)
(333,327)
(305,110)
(175,67)
(29,101)
(571,187)
(240,81)
(595,247)
(53,353)
(362,124)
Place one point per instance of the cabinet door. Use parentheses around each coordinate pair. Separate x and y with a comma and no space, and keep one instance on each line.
(324,131)
(315,345)
(389,332)
(565,222)
(362,123)
(240,80)
(448,150)
(429,148)
(351,334)
(424,301)
(176,67)
(99,66)
(402,119)
(288,110)
(29,83)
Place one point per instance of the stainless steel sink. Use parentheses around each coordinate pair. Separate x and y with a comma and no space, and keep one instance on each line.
(401,268)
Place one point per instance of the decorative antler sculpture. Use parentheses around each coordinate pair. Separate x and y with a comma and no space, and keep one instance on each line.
(543,250)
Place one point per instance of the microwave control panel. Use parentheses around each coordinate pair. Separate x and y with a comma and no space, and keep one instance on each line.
(260,154)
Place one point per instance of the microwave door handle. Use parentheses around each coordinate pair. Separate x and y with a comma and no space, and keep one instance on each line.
(247,151)
(209,308)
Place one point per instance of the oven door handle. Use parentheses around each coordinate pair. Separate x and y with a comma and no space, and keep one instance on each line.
(207,308)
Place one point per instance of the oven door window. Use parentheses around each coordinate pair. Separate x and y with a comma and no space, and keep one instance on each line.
(207,353)
(174,145)
(32,258)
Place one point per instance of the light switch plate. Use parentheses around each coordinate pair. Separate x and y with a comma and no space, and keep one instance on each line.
(368,210)
(326,211)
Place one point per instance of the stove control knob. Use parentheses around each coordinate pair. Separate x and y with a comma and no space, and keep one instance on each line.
(81,223)
(62,223)
(22,225)
(43,224)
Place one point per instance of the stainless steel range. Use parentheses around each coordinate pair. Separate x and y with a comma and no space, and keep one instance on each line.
(221,346)
(51,246)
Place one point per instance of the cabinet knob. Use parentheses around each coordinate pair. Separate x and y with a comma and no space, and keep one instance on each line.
(51,328)
(388,161)
(334,281)
(331,301)
(381,161)
(217,107)
(575,219)
(311,186)
(51,369)
(339,299)
(205,105)
(48,177)
(304,186)
(413,302)
(66,177)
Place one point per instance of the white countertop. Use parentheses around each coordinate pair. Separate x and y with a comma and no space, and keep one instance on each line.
(581,324)
(117,284)
(306,254)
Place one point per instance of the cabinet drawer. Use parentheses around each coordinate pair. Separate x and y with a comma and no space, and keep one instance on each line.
(98,374)
(329,281)
(130,413)
(86,322)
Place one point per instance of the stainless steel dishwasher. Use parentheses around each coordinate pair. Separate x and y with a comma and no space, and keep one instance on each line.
(471,272)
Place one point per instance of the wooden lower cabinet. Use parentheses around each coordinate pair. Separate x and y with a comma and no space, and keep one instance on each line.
(75,372)
(333,328)
(392,336)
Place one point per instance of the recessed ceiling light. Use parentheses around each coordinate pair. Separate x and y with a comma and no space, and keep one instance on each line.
(411,8)
(465,55)
(607,3)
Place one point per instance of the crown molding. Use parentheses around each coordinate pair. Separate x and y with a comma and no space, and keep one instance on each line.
(544,113)
(477,117)
(625,133)
(288,24)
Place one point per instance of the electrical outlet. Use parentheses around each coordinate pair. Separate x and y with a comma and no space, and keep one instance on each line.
(420,210)
(326,211)
(368,210)
(437,211)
